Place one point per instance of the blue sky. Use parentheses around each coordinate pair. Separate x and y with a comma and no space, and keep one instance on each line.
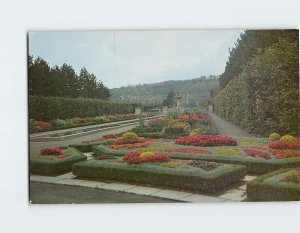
(123,58)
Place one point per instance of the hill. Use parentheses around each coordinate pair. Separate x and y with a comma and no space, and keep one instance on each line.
(195,92)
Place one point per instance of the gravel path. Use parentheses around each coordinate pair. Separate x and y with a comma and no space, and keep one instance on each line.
(225,127)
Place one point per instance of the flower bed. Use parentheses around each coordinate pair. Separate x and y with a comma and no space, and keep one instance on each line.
(55,164)
(284,145)
(189,150)
(279,185)
(206,140)
(177,176)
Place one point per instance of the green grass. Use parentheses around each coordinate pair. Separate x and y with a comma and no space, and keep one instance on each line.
(52,166)
(187,179)
(273,187)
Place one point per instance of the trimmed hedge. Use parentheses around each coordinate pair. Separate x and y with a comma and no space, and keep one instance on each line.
(49,108)
(259,190)
(55,167)
(254,165)
(264,97)
(87,146)
(211,181)
(100,150)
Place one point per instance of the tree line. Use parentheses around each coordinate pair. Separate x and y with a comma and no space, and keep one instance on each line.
(63,81)
(261,91)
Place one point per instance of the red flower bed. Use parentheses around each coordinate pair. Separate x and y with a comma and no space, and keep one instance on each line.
(108,136)
(183,117)
(189,150)
(257,153)
(60,156)
(206,140)
(132,141)
(128,146)
(50,151)
(196,116)
(135,158)
(43,124)
(284,145)
(104,137)
(285,153)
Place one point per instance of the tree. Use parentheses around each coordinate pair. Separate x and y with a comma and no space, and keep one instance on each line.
(170,100)
(250,43)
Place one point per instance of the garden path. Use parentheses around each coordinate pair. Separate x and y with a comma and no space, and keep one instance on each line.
(35,147)
(225,127)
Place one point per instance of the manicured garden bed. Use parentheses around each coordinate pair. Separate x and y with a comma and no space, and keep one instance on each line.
(176,174)
(256,154)
(56,163)
(279,185)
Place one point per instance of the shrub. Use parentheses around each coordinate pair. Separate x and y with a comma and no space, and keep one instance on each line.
(206,140)
(129,135)
(135,158)
(50,151)
(288,138)
(274,136)
(58,123)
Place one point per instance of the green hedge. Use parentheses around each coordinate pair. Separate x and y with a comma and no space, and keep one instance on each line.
(49,108)
(87,147)
(103,150)
(259,190)
(211,181)
(264,97)
(53,167)
(254,165)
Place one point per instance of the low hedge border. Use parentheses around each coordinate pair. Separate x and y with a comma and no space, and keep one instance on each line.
(100,150)
(257,190)
(254,165)
(55,167)
(209,182)
(87,147)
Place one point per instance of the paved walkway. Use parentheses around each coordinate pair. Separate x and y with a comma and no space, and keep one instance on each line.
(225,127)
(35,147)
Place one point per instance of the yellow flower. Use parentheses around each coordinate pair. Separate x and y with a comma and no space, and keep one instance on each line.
(146,154)
(129,135)
(227,151)
(274,136)
(288,138)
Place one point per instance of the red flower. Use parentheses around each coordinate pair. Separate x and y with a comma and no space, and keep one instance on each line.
(206,140)
(51,151)
(60,156)
(257,153)
(43,124)
(107,136)
(135,158)
(183,117)
(284,145)
(285,153)
(189,150)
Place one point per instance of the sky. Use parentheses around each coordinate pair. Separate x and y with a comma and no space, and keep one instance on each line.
(121,58)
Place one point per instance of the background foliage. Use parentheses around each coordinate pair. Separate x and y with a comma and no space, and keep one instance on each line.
(264,97)
(49,108)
